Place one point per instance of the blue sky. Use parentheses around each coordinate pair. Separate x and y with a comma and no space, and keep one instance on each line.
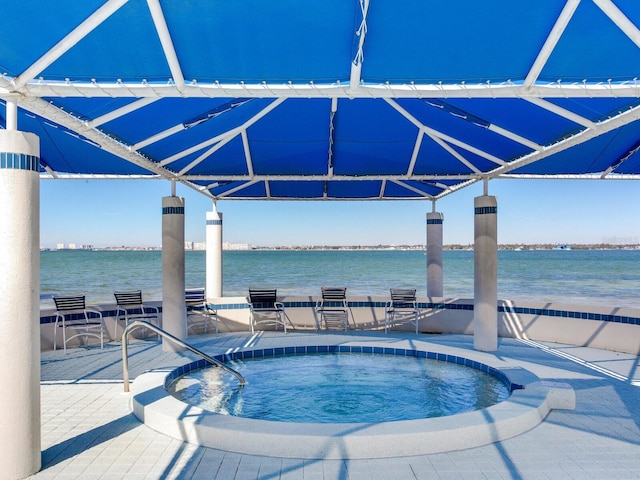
(113,213)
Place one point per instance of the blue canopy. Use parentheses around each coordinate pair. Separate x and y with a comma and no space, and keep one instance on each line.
(339,99)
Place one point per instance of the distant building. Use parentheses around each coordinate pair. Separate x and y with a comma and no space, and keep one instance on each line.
(236,246)
(195,246)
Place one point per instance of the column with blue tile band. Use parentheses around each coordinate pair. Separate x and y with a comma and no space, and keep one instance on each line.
(20,307)
(435,272)
(174,310)
(485,276)
(213,259)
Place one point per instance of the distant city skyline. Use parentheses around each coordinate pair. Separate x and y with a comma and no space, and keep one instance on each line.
(128,213)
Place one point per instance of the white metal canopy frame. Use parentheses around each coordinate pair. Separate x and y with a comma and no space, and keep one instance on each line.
(359,99)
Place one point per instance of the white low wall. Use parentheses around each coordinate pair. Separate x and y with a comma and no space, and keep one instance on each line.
(610,328)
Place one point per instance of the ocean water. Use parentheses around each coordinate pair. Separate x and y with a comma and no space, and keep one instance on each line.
(590,277)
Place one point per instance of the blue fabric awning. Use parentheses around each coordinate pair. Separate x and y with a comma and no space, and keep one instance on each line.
(340,99)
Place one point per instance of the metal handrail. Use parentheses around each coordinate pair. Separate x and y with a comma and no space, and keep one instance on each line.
(140,323)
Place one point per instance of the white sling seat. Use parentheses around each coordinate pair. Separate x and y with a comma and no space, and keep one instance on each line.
(199,312)
(265,308)
(402,308)
(72,314)
(333,308)
(131,308)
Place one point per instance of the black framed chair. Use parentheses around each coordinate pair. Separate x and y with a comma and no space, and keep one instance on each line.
(333,309)
(72,314)
(199,312)
(265,308)
(129,306)
(401,308)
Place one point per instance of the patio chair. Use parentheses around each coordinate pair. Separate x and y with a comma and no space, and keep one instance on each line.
(402,308)
(72,314)
(131,308)
(333,309)
(199,312)
(265,308)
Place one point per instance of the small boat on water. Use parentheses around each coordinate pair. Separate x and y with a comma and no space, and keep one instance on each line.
(562,247)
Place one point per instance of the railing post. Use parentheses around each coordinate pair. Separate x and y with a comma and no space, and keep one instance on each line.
(140,323)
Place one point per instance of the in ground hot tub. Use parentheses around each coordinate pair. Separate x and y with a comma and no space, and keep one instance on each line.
(355,437)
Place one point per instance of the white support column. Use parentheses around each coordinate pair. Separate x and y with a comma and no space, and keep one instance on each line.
(485,261)
(174,310)
(20,443)
(214,254)
(434,254)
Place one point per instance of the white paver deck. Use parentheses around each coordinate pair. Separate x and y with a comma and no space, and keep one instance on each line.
(88,431)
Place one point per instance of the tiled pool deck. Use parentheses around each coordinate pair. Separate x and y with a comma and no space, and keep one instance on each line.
(88,431)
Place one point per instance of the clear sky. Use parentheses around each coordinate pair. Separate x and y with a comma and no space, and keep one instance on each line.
(114,213)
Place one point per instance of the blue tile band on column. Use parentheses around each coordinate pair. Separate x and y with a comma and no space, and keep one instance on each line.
(173,210)
(19,161)
(486,210)
(434,221)
(214,222)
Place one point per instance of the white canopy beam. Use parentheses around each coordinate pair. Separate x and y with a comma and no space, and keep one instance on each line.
(603,127)
(507,89)
(514,137)
(332,115)
(383,185)
(361,33)
(553,38)
(230,133)
(60,48)
(159,136)
(413,189)
(120,112)
(620,19)
(57,116)
(563,112)
(581,176)
(207,143)
(206,154)
(446,138)
(445,146)
(263,178)
(416,151)
(247,152)
(167,43)
(231,191)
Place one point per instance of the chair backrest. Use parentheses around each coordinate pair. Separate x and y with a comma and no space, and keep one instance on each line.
(69,302)
(262,297)
(334,294)
(133,297)
(194,297)
(403,297)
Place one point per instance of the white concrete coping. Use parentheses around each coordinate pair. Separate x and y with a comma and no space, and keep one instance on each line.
(522,411)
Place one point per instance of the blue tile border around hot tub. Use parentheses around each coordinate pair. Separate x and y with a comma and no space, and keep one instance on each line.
(327,349)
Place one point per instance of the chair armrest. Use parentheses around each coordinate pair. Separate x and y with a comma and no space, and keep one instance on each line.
(279,305)
(150,307)
(92,310)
